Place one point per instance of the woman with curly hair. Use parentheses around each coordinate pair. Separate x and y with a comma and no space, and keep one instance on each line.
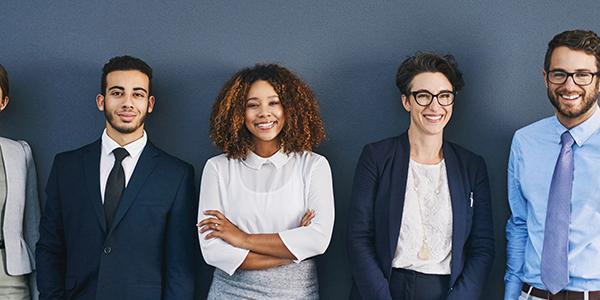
(266,204)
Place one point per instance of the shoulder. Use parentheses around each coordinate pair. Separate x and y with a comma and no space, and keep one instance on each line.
(77,153)
(169,161)
(310,160)
(534,129)
(463,153)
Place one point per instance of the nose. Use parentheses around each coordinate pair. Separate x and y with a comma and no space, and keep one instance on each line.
(264,111)
(434,103)
(570,82)
(128,101)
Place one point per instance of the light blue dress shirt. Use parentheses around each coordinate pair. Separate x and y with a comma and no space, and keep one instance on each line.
(533,154)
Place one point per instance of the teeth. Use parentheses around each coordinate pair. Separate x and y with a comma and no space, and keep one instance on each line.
(573,97)
(433,118)
(265,125)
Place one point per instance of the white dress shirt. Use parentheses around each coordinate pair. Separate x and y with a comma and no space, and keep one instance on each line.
(107,158)
(268,195)
(427,214)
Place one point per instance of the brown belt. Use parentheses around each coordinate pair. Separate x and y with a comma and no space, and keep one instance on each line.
(562,295)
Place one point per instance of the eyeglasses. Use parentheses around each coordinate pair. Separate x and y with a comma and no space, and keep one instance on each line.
(580,78)
(425,97)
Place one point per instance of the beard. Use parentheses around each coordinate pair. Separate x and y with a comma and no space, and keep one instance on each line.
(124,128)
(587,101)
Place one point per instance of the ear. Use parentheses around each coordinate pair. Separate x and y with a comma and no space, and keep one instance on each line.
(100,102)
(406,103)
(151,101)
(545,77)
(3,103)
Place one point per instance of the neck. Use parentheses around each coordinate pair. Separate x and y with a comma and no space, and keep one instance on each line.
(266,149)
(124,139)
(425,149)
(569,122)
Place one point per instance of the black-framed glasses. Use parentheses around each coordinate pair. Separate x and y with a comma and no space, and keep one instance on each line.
(580,78)
(425,97)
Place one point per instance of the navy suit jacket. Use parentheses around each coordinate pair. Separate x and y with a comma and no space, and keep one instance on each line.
(150,250)
(376,216)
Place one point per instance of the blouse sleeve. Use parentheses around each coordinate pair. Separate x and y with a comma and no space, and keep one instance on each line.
(308,241)
(215,251)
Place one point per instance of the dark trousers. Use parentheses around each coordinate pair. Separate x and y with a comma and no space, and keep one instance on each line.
(412,285)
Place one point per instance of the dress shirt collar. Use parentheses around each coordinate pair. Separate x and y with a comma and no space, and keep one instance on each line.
(582,132)
(254,161)
(134,148)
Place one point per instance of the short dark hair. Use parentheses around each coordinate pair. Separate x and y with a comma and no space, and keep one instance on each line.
(126,63)
(423,62)
(3,81)
(585,40)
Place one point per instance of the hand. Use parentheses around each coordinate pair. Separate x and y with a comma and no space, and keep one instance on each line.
(222,228)
(307,218)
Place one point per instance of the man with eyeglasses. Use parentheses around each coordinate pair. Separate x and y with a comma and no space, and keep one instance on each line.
(553,249)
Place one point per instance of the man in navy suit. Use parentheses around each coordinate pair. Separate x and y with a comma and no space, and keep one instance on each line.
(120,213)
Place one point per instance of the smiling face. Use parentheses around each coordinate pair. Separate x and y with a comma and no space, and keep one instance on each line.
(573,103)
(430,119)
(264,117)
(125,104)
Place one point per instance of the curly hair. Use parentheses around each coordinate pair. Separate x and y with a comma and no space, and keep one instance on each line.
(303,128)
(585,40)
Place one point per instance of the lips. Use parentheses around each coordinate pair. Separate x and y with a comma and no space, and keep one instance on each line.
(433,117)
(265,125)
(126,117)
(570,97)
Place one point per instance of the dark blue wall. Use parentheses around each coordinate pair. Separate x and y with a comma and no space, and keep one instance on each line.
(348,51)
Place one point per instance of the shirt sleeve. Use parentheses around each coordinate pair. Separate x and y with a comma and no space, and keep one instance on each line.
(215,251)
(311,240)
(516,227)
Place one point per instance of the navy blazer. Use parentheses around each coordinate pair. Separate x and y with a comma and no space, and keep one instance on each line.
(150,250)
(376,215)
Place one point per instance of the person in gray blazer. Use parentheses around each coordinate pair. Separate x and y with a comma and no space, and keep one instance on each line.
(19,213)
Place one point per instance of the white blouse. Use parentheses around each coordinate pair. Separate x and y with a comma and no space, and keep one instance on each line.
(268,195)
(426,221)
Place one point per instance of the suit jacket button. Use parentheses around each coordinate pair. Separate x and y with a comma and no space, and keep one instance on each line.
(107,250)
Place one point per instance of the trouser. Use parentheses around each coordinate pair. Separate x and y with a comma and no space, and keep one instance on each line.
(412,285)
(12,287)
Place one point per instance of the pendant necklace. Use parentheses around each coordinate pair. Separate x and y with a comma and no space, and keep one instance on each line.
(424,252)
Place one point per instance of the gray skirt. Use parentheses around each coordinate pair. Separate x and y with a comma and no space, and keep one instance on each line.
(292,281)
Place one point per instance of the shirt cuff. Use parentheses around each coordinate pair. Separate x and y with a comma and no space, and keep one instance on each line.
(512,290)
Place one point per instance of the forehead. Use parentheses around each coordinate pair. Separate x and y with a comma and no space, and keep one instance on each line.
(127,79)
(432,81)
(568,59)
(261,88)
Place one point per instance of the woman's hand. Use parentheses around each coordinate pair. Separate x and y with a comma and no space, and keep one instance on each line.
(307,218)
(222,228)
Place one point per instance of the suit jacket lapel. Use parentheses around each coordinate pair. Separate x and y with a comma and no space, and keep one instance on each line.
(91,166)
(143,169)
(458,197)
(399,174)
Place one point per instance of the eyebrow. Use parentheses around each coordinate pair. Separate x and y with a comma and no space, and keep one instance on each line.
(426,90)
(140,89)
(118,87)
(270,97)
(576,70)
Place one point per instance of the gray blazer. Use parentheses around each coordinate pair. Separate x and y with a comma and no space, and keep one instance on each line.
(22,209)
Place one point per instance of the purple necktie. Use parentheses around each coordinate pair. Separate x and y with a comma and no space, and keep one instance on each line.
(555,268)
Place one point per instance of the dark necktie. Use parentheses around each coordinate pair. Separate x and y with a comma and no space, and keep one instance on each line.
(554,266)
(114,186)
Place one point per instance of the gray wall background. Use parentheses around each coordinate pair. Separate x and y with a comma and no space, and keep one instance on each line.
(348,51)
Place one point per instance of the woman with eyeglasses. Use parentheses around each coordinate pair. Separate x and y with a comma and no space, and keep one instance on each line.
(420,222)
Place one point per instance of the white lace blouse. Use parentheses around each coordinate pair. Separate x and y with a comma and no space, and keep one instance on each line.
(425,240)
(268,195)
